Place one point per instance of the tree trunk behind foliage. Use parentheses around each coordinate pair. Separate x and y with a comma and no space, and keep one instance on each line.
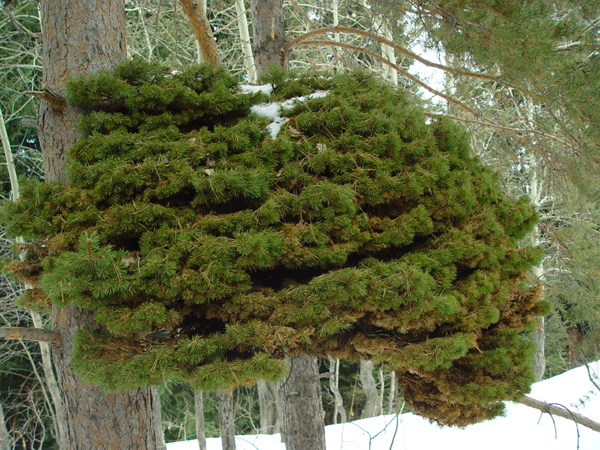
(226,419)
(303,426)
(267,407)
(334,383)
(370,388)
(83,37)
(268,34)
(199,414)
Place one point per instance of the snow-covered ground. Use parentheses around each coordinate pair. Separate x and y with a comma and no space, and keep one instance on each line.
(523,428)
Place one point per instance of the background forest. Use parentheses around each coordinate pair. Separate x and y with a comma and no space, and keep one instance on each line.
(520,77)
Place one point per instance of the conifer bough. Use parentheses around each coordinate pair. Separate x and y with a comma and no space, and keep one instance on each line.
(208,250)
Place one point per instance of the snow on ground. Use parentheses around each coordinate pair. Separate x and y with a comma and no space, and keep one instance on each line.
(523,428)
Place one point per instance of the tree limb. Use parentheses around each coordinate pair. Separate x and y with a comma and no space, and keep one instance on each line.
(30,334)
(554,409)
(404,72)
(300,41)
(197,16)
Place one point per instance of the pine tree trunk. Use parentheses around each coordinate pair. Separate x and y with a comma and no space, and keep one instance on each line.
(303,426)
(199,413)
(370,388)
(226,419)
(81,37)
(268,34)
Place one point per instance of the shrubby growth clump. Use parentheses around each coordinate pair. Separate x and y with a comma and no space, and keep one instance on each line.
(208,250)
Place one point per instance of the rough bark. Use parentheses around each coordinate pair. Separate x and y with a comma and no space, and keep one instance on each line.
(226,419)
(194,10)
(369,386)
(83,37)
(303,424)
(199,410)
(268,33)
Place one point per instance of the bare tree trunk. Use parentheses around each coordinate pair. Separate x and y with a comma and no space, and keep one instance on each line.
(196,13)
(381,29)
(82,37)
(334,381)
(381,391)
(301,393)
(392,395)
(226,419)
(535,195)
(370,388)
(275,389)
(199,411)
(245,38)
(268,33)
(267,407)
(5,440)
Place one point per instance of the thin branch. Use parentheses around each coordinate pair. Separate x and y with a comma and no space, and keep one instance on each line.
(404,72)
(30,334)
(300,39)
(491,124)
(553,409)
(18,25)
(304,14)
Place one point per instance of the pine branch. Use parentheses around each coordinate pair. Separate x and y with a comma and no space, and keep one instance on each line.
(30,334)
(561,411)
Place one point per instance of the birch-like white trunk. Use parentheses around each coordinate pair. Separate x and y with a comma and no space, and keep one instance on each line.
(388,73)
(334,382)
(199,419)
(539,335)
(245,38)
(369,386)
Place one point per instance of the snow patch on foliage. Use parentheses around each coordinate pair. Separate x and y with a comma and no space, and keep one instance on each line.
(274,110)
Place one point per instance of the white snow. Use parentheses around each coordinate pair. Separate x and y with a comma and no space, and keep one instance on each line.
(273,110)
(523,428)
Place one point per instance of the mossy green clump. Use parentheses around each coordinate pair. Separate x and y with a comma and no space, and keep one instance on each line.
(207,250)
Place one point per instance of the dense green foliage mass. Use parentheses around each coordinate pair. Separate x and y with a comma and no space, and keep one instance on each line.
(208,250)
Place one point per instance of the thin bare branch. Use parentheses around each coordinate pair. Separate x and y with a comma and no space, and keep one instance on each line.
(404,72)
(30,334)
(309,34)
(491,124)
(558,410)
